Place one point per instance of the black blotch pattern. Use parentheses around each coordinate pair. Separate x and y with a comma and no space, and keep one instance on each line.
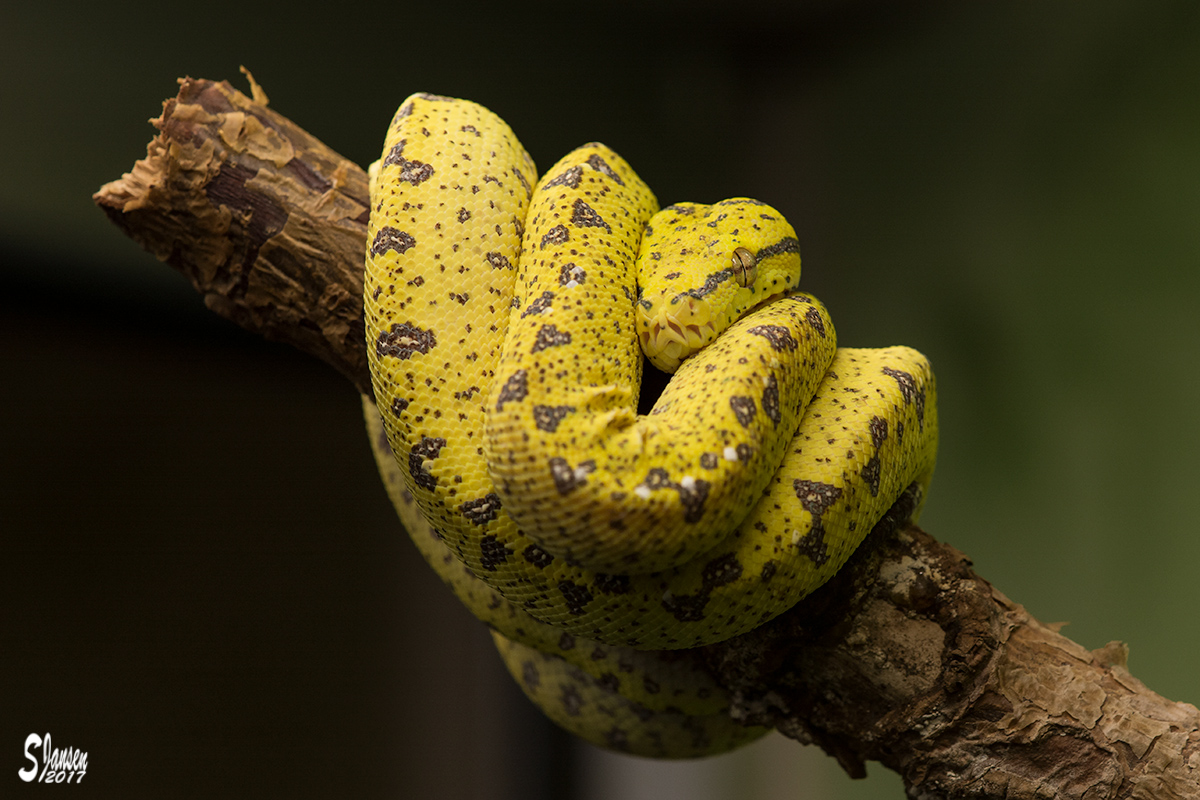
(539,305)
(547,417)
(483,510)
(815,497)
(584,216)
(600,165)
(568,178)
(411,170)
(425,450)
(530,676)
(612,584)
(566,479)
(389,238)
(398,405)
(785,245)
(403,340)
(813,318)
(770,399)
(744,408)
(492,553)
(569,273)
(515,389)
(498,261)
(909,391)
(575,595)
(779,336)
(556,235)
(540,558)
(549,336)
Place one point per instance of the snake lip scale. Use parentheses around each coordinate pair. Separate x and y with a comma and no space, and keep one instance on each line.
(507,317)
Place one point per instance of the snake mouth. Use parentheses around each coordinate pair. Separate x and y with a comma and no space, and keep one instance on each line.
(669,338)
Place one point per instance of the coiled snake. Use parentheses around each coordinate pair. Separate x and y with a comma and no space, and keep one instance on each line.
(506,320)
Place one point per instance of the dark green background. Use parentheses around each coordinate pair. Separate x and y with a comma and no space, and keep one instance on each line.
(201,581)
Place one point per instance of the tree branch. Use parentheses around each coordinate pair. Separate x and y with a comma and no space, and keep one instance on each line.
(907,657)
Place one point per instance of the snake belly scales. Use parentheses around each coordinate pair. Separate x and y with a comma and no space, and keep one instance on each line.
(506,319)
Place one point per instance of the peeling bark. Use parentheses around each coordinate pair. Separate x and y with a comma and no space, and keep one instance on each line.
(906,657)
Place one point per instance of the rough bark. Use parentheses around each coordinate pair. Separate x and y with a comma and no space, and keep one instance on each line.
(907,657)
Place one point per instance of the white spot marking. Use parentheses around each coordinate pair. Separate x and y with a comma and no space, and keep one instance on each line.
(795,536)
(642,492)
(731,454)
(687,482)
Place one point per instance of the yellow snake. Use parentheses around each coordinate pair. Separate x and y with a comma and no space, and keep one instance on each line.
(506,319)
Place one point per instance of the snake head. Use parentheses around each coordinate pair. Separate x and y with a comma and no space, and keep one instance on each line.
(701,268)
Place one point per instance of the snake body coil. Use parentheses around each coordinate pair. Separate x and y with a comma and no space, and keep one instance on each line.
(503,329)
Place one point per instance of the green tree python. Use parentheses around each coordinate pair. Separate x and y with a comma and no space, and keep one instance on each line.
(506,321)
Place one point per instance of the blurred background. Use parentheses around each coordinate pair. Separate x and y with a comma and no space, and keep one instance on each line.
(202,583)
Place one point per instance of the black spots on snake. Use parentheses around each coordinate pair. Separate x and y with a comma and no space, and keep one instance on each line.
(568,478)
(744,408)
(539,304)
(541,559)
(421,455)
(813,318)
(909,391)
(815,497)
(572,701)
(515,389)
(571,275)
(686,607)
(710,285)
(399,404)
(389,238)
(720,571)
(403,340)
(529,675)
(566,642)
(716,573)
(524,182)
(460,298)
(470,129)
(784,245)
(600,165)
(871,471)
(692,492)
(483,510)
(411,170)
(569,178)
(770,399)
(492,553)
(584,216)
(463,214)
(743,451)
(556,235)
(608,681)
(405,110)
(682,209)
(709,460)
(546,418)
(616,739)
(498,261)
(549,336)
(575,596)
(768,571)
(779,337)
(611,584)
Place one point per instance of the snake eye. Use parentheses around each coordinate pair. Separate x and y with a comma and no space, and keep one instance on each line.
(745,266)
